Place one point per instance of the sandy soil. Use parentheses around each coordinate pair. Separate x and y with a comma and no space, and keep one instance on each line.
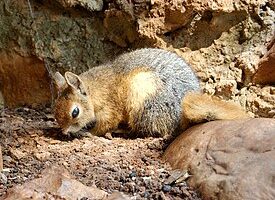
(31,141)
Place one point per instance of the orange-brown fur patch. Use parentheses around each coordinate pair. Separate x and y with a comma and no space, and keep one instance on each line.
(107,94)
(62,117)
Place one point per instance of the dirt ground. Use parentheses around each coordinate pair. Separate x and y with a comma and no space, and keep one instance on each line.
(31,141)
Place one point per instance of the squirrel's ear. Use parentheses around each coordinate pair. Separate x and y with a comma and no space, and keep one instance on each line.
(74,81)
(59,81)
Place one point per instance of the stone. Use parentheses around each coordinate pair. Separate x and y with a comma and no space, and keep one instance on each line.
(42,156)
(121,27)
(129,21)
(17,154)
(95,5)
(117,196)
(228,159)
(55,183)
(247,62)
(25,80)
(226,88)
(265,73)
(166,188)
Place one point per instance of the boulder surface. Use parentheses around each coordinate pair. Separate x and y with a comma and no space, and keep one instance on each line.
(266,69)
(228,159)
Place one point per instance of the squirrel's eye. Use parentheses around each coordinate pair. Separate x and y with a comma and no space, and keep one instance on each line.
(75,112)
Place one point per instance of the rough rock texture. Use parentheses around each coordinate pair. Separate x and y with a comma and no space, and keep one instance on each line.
(63,38)
(94,5)
(154,19)
(266,70)
(55,183)
(223,40)
(1,159)
(228,159)
(24,79)
(226,68)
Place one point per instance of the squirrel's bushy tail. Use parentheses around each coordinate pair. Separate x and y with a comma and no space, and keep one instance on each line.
(198,107)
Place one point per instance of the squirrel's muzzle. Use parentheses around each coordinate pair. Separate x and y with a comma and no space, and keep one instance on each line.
(90,125)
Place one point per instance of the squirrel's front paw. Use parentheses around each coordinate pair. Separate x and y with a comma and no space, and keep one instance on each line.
(108,136)
(81,134)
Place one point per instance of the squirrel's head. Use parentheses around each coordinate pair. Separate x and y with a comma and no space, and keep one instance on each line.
(73,109)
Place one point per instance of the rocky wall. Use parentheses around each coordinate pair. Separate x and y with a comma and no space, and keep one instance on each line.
(224,40)
(61,38)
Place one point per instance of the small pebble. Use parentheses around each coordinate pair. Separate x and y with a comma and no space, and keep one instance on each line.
(166,188)
(3,178)
(108,136)
(133,174)
(146,194)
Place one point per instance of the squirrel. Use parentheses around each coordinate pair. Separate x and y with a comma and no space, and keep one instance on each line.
(153,92)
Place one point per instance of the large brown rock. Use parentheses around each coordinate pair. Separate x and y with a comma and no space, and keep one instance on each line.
(153,19)
(23,80)
(228,159)
(66,34)
(265,73)
(55,183)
